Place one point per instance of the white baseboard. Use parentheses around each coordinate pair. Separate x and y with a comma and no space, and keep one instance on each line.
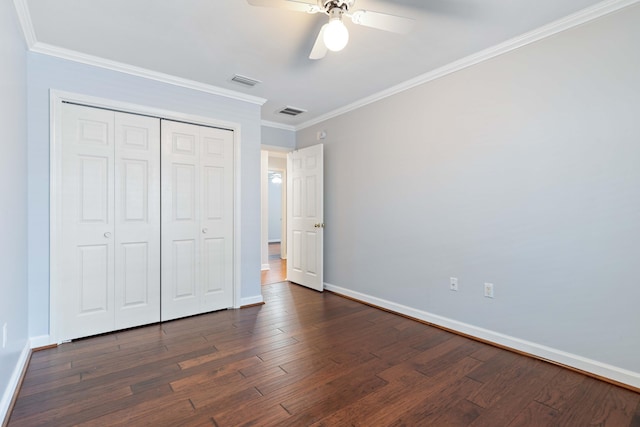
(265,267)
(600,369)
(257,299)
(12,386)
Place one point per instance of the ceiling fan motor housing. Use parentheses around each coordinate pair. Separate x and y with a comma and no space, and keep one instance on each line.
(329,5)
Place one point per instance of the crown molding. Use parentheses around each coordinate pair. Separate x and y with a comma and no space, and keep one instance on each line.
(34,45)
(25,22)
(581,17)
(95,61)
(277,125)
(586,15)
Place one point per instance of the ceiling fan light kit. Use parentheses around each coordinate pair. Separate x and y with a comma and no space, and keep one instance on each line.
(334,35)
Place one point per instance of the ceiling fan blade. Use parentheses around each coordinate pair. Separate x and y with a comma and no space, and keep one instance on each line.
(297,5)
(319,49)
(382,21)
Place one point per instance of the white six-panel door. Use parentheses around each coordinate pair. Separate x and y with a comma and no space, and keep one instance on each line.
(110,247)
(197,219)
(305,223)
(137,220)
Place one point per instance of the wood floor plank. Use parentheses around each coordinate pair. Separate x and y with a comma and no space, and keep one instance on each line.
(350,386)
(536,415)
(146,413)
(486,352)
(359,412)
(306,358)
(274,415)
(442,408)
(493,389)
(587,397)
(461,413)
(54,410)
(499,362)
(399,394)
(635,420)
(560,389)
(617,408)
(504,400)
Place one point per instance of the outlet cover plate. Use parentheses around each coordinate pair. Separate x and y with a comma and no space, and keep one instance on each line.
(488,290)
(453,283)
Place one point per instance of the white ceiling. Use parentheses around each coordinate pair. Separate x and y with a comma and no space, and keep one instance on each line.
(208,41)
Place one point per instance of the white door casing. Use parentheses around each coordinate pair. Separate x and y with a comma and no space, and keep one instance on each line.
(109,208)
(197,219)
(305,223)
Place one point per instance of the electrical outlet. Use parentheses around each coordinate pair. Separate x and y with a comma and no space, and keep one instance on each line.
(488,290)
(453,283)
(4,335)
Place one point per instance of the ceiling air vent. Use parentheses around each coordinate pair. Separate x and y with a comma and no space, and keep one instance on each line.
(244,80)
(292,111)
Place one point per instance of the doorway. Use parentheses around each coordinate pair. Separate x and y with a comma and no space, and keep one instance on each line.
(274,236)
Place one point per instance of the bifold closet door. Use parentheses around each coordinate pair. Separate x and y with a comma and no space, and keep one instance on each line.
(108,222)
(137,220)
(197,219)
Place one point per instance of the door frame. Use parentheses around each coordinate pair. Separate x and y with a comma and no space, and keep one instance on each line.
(56,99)
(264,214)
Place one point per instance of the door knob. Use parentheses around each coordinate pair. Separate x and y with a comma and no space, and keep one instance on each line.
(204,230)
(107,234)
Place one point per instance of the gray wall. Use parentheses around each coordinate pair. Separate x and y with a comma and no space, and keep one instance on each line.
(45,73)
(276,137)
(523,171)
(13,188)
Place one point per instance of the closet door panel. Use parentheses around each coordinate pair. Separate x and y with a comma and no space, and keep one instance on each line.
(180,220)
(137,220)
(184,273)
(216,160)
(197,219)
(214,266)
(136,289)
(86,227)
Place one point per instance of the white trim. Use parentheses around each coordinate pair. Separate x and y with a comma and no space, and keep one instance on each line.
(589,14)
(277,125)
(25,22)
(588,365)
(56,99)
(237,218)
(14,382)
(257,299)
(277,151)
(120,67)
(265,267)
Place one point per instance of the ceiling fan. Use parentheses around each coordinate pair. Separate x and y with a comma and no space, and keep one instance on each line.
(334,34)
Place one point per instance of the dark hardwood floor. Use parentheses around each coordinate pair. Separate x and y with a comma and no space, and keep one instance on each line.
(306,358)
(277,267)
